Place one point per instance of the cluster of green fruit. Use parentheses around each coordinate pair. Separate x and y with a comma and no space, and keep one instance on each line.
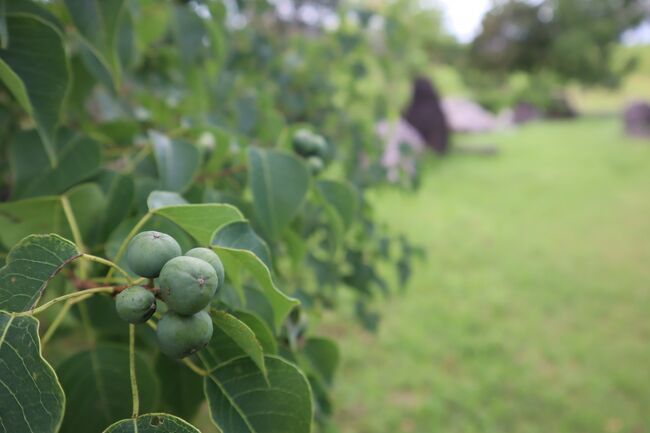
(312,147)
(187,283)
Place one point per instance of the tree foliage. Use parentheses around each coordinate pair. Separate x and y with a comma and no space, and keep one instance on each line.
(572,39)
(126,116)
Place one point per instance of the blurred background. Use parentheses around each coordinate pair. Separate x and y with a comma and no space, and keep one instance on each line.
(530,312)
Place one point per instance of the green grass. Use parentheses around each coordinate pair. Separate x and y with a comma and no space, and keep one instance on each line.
(532,311)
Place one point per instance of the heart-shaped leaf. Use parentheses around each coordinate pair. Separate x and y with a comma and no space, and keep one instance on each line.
(4,33)
(41,215)
(106,391)
(241,400)
(98,23)
(200,220)
(240,235)
(231,339)
(279,182)
(31,399)
(322,358)
(78,157)
(152,423)
(235,261)
(158,199)
(36,46)
(181,389)
(30,265)
(177,161)
(261,329)
(342,197)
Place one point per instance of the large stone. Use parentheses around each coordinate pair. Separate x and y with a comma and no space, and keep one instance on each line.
(637,119)
(402,145)
(525,112)
(425,114)
(559,107)
(465,115)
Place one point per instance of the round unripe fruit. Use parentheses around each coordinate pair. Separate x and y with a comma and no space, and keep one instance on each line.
(180,336)
(320,145)
(148,252)
(306,143)
(212,258)
(187,284)
(135,304)
(315,165)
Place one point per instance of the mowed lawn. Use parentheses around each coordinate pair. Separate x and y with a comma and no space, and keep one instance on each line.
(532,310)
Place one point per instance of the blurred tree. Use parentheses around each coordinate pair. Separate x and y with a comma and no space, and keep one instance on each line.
(573,39)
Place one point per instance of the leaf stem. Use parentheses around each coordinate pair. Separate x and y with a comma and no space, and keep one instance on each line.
(86,293)
(76,233)
(59,317)
(72,222)
(134,380)
(109,264)
(125,242)
(195,368)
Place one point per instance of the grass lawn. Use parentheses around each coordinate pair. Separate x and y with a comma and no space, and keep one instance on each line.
(532,311)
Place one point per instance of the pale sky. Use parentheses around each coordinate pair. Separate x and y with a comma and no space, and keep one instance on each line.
(463,17)
(463,20)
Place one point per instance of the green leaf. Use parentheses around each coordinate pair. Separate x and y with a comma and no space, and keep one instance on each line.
(35,215)
(279,182)
(322,356)
(45,214)
(33,9)
(98,23)
(181,388)
(342,197)
(240,235)
(177,161)
(31,399)
(79,158)
(236,260)
(242,401)
(88,205)
(231,339)
(31,264)
(98,389)
(120,192)
(36,47)
(189,33)
(158,199)
(4,33)
(262,331)
(152,423)
(200,220)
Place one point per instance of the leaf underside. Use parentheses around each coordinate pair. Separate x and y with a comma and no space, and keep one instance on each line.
(31,397)
(30,265)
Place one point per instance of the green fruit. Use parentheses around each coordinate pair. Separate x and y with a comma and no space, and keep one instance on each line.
(187,284)
(180,336)
(315,165)
(211,257)
(148,252)
(306,143)
(135,304)
(320,145)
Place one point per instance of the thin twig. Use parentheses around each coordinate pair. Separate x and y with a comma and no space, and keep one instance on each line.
(108,263)
(134,380)
(59,317)
(107,289)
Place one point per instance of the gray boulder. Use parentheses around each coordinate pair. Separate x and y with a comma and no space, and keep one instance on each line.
(637,119)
